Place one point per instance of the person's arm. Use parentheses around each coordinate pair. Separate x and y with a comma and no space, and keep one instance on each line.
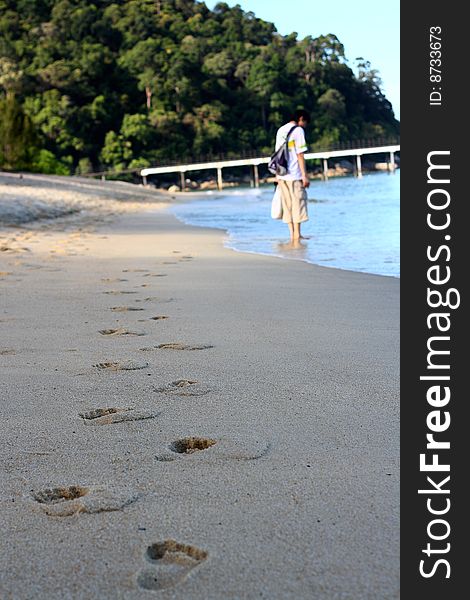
(300,148)
(303,169)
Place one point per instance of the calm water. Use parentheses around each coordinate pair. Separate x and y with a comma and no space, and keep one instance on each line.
(354,223)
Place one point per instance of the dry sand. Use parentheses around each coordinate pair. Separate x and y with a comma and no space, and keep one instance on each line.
(245,446)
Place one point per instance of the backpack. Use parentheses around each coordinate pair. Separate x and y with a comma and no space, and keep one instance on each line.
(278,164)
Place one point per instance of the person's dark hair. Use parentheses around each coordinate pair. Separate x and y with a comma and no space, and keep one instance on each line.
(300,113)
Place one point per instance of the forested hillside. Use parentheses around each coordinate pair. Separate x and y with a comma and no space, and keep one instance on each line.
(113,84)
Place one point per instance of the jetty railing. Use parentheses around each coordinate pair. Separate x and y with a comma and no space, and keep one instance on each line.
(254,158)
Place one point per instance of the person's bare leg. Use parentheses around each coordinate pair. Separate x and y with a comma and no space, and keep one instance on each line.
(291,230)
(296,231)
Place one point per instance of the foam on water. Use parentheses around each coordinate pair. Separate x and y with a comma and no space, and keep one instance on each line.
(354,223)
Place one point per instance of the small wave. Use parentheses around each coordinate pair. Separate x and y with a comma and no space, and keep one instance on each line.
(230,193)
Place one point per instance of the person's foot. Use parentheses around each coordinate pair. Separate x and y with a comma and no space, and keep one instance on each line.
(305,237)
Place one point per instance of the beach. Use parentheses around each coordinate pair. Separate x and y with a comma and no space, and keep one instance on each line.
(180,420)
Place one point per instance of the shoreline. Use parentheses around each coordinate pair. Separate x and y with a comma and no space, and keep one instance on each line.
(266,237)
(226,245)
(297,387)
(144,194)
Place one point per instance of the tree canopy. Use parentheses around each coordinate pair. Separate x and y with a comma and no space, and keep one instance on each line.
(115,84)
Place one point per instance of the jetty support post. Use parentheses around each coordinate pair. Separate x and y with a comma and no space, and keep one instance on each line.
(144,179)
(358,166)
(325,169)
(220,183)
(255,176)
(392,165)
(183,180)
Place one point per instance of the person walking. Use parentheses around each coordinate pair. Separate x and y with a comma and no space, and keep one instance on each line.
(294,183)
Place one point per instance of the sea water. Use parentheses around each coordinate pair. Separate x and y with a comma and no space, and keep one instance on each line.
(354,222)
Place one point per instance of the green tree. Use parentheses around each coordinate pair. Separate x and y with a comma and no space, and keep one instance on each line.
(117,151)
(17,138)
(44,161)
(113,83)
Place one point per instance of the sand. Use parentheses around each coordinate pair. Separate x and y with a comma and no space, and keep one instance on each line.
(233,433)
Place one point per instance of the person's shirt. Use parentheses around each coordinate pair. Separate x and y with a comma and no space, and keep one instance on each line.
(296,146)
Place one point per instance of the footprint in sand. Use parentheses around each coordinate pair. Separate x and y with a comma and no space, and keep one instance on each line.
(208,449)
(159,318)
(171,562)
(108,416)
(135,270)
(12,250)
(183,387)
(189,445)
(125,308)
(113,279)
(65,501)
(156,299)
(118,292)
(120,331)
(126,365)
(7,352)
(178,346)
(155,275)
(184,447)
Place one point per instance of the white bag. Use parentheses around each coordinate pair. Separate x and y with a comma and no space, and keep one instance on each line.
(276,204)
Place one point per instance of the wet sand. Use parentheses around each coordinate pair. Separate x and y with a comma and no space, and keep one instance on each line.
(184,421)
